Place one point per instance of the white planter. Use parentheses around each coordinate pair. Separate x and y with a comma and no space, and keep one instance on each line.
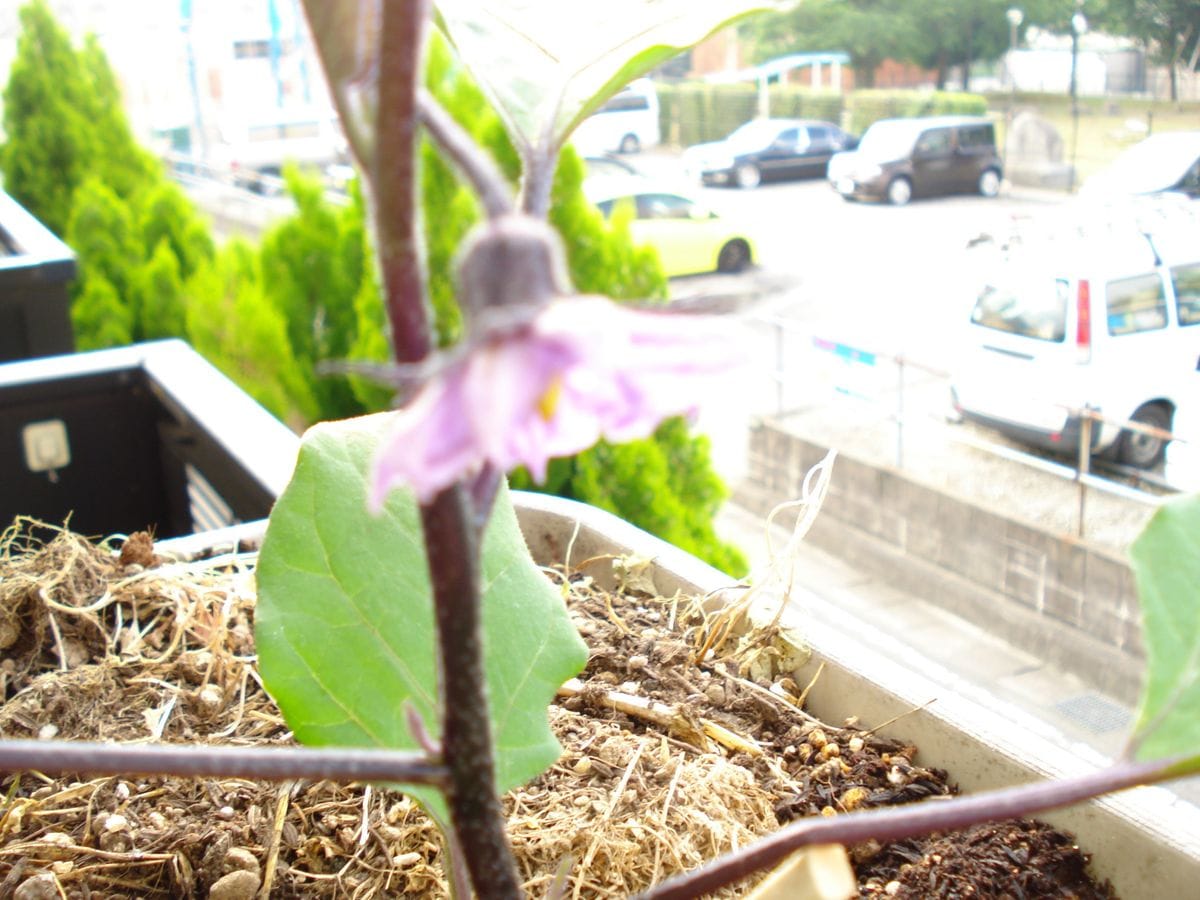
(1145,841)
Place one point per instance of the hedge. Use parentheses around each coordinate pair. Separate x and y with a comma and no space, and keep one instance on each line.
(694,112)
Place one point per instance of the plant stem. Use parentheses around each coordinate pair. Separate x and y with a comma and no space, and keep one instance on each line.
(393,179)
(188,760)
(538,179)
(911,820)
(451,542)
(475,812)
(472,161)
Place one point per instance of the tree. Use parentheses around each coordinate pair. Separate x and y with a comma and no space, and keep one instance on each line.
(104,236)
(943,33)
(935,35)
(231,324)
(1169,28)
(99,317)
(72,160)
(63,121)
(313,267)
(869,30)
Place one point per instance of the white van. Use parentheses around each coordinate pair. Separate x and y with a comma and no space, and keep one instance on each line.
(1100,312)
(1182,468)
(260,145)
(627,123)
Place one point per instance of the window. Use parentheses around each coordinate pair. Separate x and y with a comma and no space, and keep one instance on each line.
(973,136)
(663,206)
(251,49)
(934,143)
(625,103)
(1186,280)
(788,138)
(1136,304)
(301,130)
(1031,308)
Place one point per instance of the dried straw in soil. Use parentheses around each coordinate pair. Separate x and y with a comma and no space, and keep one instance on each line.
(130,648)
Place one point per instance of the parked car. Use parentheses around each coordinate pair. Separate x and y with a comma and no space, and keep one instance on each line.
(1169,161)
(1097,314)
(626,123)
(607,165)
(689,238)
(767,149)
(898,159)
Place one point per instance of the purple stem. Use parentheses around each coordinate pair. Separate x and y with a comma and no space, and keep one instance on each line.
(471,160)
(450,534)
(475,811)
(393,179)
(188,760)
(897,823)
(538,179)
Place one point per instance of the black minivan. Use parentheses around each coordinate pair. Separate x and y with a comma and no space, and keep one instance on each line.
(898,159)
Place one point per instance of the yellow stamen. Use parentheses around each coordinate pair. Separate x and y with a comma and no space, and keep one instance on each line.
(548,402)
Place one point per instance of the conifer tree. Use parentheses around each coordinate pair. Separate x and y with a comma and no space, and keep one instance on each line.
(63,121)
(230,323)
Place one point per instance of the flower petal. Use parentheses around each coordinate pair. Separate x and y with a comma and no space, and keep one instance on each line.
(583,369)
(431,445)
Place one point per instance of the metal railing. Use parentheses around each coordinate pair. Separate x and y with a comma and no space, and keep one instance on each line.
(1081,467)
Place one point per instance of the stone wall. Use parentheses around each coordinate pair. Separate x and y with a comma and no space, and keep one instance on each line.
(1054,595)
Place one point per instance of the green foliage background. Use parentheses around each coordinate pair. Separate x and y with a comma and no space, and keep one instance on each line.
(269,315)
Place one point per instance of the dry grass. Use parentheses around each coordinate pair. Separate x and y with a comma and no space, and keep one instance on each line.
(100,650)
(1104,128)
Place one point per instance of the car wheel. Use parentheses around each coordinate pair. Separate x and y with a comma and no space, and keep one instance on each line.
(1144,451)
(989,183)
(899,192)
(747,176)
(630,144)
(734,257)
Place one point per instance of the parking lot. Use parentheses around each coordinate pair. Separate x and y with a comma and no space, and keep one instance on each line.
(873,284)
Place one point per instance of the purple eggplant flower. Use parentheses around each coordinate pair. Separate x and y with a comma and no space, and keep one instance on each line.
(581,369)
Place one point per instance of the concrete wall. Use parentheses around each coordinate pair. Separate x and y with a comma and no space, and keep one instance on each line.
(1056,596)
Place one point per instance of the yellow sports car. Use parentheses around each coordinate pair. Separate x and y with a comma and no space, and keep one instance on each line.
(689,238)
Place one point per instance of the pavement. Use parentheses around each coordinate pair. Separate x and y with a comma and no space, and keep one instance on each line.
(997,675)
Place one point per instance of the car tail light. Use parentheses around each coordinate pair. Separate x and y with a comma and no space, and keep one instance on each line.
(1083,322)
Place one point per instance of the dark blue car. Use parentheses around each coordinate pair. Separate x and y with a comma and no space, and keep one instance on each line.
(767,150)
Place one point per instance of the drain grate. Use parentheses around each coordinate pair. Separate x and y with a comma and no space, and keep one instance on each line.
(1095,713)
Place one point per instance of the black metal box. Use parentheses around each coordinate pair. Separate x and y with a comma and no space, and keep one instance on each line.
(36,270)
(148,436)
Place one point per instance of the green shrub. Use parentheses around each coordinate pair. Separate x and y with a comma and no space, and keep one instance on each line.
(868,106)
(695,112)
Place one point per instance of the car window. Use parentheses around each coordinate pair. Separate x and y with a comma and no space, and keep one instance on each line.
(626,102)
(663,206)
(788,137)
(1190,182)
(934,143)
(1136,304)
(972,136)
(819,133)
(1035,308)
(1186,280)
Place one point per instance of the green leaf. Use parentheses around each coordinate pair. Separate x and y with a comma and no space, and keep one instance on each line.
(547,64)
(1166,566)
(344,622)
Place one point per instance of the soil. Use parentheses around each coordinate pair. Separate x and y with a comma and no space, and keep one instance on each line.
(130,647)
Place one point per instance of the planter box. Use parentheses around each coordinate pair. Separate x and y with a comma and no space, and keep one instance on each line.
(149,436)
(36,269)
(1145,841)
